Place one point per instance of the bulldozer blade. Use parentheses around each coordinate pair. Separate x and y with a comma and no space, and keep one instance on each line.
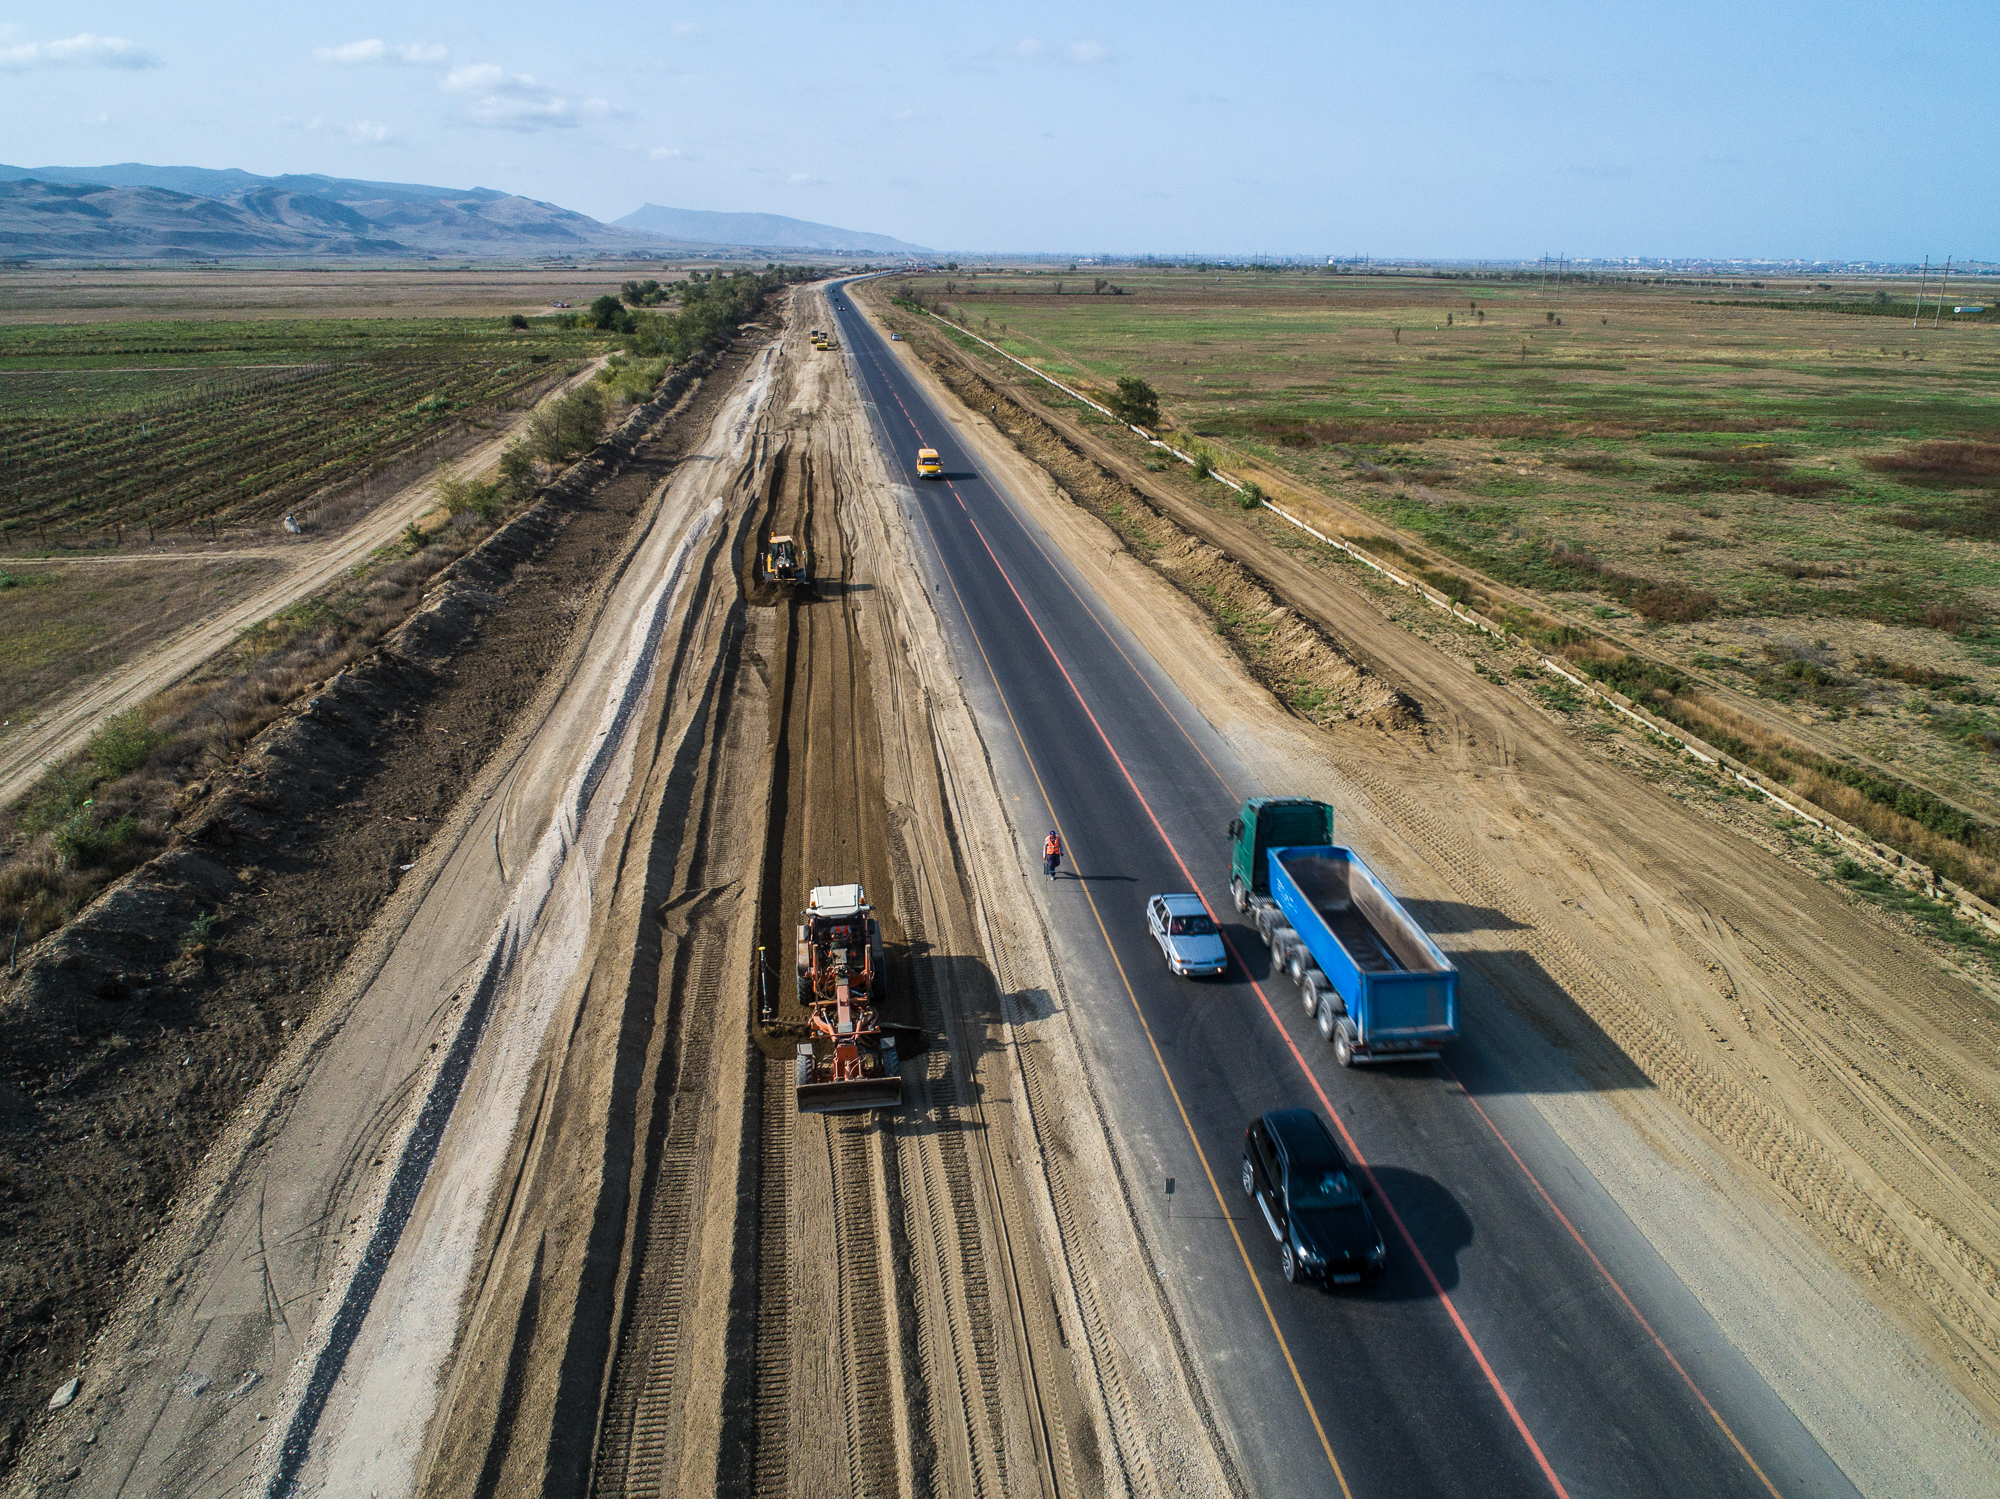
(840,1098)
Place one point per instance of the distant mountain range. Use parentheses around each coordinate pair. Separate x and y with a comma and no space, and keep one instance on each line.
(132,211)
(764,230)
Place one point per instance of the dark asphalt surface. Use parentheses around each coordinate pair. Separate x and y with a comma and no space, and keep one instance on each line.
(1499,1355)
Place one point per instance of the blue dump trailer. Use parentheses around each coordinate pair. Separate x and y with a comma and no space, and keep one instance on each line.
(1380,989)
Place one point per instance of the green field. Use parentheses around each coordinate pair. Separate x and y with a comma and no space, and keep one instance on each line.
(1765,457)
(1787,487)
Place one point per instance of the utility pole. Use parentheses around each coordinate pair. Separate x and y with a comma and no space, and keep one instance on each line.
(1938,316)
(1922,281)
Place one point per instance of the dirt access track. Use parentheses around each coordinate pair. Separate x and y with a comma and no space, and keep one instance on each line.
(525,1208)
(60,729)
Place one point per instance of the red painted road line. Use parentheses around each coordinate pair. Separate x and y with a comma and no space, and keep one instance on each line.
(1437,1286)
(1208,1171)
(1611,1280)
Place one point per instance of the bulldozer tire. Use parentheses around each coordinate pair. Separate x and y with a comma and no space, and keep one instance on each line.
(804,1067)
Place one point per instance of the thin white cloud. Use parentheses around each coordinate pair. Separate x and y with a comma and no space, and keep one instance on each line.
(666,153)
(1083,53)
(84,50)
(374,50)
(505,100)
(365,132)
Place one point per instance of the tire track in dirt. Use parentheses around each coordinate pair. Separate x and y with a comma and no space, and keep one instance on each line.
(770,1435)
(641,1419)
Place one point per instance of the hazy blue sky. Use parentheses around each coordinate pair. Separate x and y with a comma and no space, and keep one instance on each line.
(1428,128)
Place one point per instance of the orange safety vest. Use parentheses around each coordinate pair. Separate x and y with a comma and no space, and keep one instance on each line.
(1052,849)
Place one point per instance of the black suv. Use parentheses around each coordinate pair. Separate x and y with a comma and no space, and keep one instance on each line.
(1311,1199)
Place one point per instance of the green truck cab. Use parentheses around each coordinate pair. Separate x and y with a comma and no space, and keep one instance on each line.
(1265,823)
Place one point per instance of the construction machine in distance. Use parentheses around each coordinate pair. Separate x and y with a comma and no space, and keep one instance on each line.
(929,465)
(785,562)
(852,1061)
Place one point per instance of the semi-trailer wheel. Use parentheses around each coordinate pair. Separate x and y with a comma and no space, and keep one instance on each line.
(1296,963)
(1312,989)
(1329,1021)
(1343,1047)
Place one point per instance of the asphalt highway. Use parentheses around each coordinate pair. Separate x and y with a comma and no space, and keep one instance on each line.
(1526,1339)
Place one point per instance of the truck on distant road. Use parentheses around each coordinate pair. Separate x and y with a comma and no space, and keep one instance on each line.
(1379,987)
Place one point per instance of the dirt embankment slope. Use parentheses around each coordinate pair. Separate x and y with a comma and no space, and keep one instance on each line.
(1844,1073)
(923,1302)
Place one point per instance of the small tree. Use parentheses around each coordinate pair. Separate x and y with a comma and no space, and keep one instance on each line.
(1251,495)
(518,320)
(607,313)
(517,470)
(1136,402)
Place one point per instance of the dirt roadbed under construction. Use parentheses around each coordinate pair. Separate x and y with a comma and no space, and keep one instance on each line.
(805,1304)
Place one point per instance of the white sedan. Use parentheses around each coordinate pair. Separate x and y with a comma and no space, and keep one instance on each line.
(1187,935)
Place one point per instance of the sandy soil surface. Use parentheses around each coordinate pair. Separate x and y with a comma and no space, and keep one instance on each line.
(871,1304)
(1842,1076)
(66,620)
(60,728)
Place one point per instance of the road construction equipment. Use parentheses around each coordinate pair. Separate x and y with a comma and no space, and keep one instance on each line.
(929,465)
(851,1062)
(785,562)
